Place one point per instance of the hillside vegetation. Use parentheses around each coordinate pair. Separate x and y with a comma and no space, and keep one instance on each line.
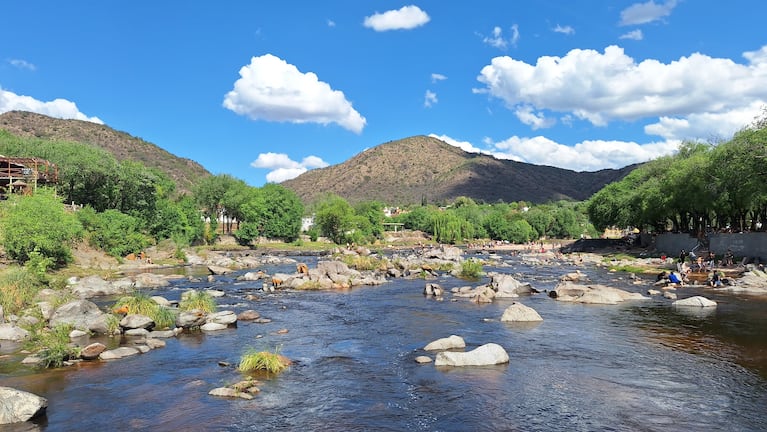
(422,168)
(121,145)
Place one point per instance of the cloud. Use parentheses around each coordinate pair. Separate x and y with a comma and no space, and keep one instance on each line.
(437,77)
(590,155)
(564,30)
(22,64)
(283,168)
(331,23)
(406,18)
(497,40)
(633,35)
(59,108)
(429,99)
(643,13)
(535,120)
(271,89)
(603,87)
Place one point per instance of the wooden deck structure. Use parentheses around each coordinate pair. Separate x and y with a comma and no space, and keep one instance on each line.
(24,174)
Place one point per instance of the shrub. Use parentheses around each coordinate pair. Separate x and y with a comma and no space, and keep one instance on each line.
(199,300)
(38,223)
(54,345)
(253,361)
(471,269)
(118,234)
(141,304)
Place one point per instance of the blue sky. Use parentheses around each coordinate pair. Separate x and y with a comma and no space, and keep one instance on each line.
(265,90)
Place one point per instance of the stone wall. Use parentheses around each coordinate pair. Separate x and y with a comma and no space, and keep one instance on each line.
(751,245)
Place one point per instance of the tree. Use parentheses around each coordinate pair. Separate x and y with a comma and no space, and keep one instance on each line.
(38,223)
(271,211)
(335,218)
(118,234)
(371,218)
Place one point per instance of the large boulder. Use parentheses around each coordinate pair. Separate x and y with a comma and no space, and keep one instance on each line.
(18,406)
(518,312)
(136,321)
(80,313)
(92,351)
(218,270)
(94,286)
(190,319)
(12,333)
(223,317)
(485,355)
(506,286)
(694,301)
(592,294)
(150,280)
(451,342)
(119,353)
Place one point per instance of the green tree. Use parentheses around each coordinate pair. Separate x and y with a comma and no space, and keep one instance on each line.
(272,211)
(118,234)
(335,218)
(38,223)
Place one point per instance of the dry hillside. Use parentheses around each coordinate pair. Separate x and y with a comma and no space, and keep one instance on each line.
(122,145)
(409,170)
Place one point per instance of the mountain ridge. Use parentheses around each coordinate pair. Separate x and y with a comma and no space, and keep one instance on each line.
(409,170)
(184,172)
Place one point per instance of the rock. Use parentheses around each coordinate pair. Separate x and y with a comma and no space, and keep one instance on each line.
(222,317)
(218,270)
(229,393)
(17,406)
(695,301)
(215,293)
(150,280)
(189,319)
(653,292)
(13,333)
(506,286)
(136,321)
(575,276)
(252,276)
(212,326)
(74,334)
(94,286)
(423,359)
(118,353)
(518,312)
(433,289)
(484,294)
(32,360)
(137,332)
(79,313)
(46,310)
(100,324)
(155,343)
(262,320)
(92,351)
(162,301)
(592,294)
(248,315)
(488,354)
(669,295)
(164,334)
(450,342)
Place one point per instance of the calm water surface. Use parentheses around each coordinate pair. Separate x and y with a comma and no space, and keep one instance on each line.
(640,366)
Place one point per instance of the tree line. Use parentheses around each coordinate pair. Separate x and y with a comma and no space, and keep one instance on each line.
(702,187)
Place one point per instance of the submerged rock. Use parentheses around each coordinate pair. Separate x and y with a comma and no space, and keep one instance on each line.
(592,294)
(694,301)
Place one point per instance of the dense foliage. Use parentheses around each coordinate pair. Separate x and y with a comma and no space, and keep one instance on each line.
(702,187)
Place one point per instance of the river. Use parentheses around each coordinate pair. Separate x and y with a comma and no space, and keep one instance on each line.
(639,366)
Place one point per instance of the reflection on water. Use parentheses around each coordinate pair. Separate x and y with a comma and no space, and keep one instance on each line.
(637,366)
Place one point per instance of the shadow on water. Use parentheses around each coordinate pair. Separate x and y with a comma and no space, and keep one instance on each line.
(636,366)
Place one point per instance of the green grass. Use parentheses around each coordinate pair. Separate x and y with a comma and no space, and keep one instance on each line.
(141,304)
(254,361)
(471,269)
(364,263)
(199,300)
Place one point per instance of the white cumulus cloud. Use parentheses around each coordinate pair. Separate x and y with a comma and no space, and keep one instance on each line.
(633,35)
(283,168)
(643,13)
(406,18)
(589,155)
(59,108)
(271,89)
(609,86)
(498,40)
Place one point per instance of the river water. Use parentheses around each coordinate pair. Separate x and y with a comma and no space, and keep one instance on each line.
(640,366)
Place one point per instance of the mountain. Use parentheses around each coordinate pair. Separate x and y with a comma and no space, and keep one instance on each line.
(411,169)
(122,145)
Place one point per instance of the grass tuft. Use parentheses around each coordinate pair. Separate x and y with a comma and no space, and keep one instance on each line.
(254,361)
(199,300)
(141,304)
(471,269)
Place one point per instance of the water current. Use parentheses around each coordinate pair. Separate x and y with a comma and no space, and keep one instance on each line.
(639,366)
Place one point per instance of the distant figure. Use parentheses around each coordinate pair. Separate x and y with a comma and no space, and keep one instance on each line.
(682,256)
(711,260)
(716,279)
(729,257)
(674,279)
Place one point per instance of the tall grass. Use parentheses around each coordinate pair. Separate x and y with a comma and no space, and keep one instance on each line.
(199,300)
(53,346)
(364,263)
(272,362)
(141,304)
(18,289)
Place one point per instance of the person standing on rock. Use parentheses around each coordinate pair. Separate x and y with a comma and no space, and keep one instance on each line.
(682,259)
